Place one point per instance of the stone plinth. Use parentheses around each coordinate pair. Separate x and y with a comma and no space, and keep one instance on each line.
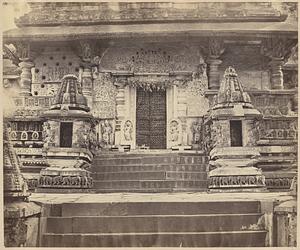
(234,169)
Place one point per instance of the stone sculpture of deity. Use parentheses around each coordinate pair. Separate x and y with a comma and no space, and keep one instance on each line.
(128,128)
(106,130)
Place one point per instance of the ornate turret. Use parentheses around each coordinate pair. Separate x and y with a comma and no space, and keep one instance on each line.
(233,124)
(69,95)
(69,139)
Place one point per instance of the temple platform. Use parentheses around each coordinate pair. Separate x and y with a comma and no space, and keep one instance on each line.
(157,220)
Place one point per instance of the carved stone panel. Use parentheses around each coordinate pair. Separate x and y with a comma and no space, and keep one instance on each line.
(154,58)
(104,96)
(197,104)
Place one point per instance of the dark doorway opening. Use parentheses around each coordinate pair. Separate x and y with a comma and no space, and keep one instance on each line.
(66,131)
(236,134)
(151,118)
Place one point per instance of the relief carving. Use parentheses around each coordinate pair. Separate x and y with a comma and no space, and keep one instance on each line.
(107,132)
(197,132)
(104,96)
(175,132)
(128,130)
(158,59)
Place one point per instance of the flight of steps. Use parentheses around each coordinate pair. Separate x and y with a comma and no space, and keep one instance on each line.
(132,172)
(153,224)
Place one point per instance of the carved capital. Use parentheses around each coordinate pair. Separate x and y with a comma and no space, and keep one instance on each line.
(86,50)
(23,51)
(215,47)
(277,47)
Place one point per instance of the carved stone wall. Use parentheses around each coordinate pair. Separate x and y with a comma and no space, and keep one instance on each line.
(278,129)
(153,58)
(220,133)
(44,89)
(197,104)
(273,105)
(104,97)
(53,63)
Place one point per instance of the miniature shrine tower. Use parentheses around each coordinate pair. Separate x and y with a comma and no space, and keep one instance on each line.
(233,123)
(68,139)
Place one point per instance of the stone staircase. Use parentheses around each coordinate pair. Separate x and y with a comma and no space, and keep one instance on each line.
(153,224)
(137,172)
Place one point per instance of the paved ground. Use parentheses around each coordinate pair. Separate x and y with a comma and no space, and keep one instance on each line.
(155,197)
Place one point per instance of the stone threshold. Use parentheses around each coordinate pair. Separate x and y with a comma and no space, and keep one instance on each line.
(158,197)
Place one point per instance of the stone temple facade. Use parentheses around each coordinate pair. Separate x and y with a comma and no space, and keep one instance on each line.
(88,81)
(150,72)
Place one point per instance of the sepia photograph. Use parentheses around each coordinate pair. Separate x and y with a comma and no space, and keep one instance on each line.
(149,124)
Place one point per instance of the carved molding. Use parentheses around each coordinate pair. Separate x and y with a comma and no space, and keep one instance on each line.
(237,181)
(65,181)
(279,183)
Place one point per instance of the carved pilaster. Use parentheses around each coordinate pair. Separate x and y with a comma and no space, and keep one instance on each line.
(120,109)
(26,77)
(215,50)
(23,53)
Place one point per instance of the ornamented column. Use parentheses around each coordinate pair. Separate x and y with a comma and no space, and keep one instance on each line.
(120,109)
(215,50)
(277,49)
(23,52)
(86,51)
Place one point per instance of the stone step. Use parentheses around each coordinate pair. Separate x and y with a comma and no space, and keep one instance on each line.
(158,239)
(150,160)
(150,175)
(152,208)
(152,223)
(150,190)
(149,167)
(146,184)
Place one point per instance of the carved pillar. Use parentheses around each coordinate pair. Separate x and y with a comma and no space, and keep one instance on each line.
(120,110)
(215,50)
(276,73)
(87,83)
(23,52)
(277,49)
(86,51)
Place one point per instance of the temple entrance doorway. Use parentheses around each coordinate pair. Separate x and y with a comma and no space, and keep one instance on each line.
(151,118)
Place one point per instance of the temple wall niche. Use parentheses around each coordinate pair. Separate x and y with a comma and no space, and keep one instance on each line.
(249,63)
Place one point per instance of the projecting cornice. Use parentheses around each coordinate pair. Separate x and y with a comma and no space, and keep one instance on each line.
(71,33)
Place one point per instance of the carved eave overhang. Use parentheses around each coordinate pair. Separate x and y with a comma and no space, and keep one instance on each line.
(117,31)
